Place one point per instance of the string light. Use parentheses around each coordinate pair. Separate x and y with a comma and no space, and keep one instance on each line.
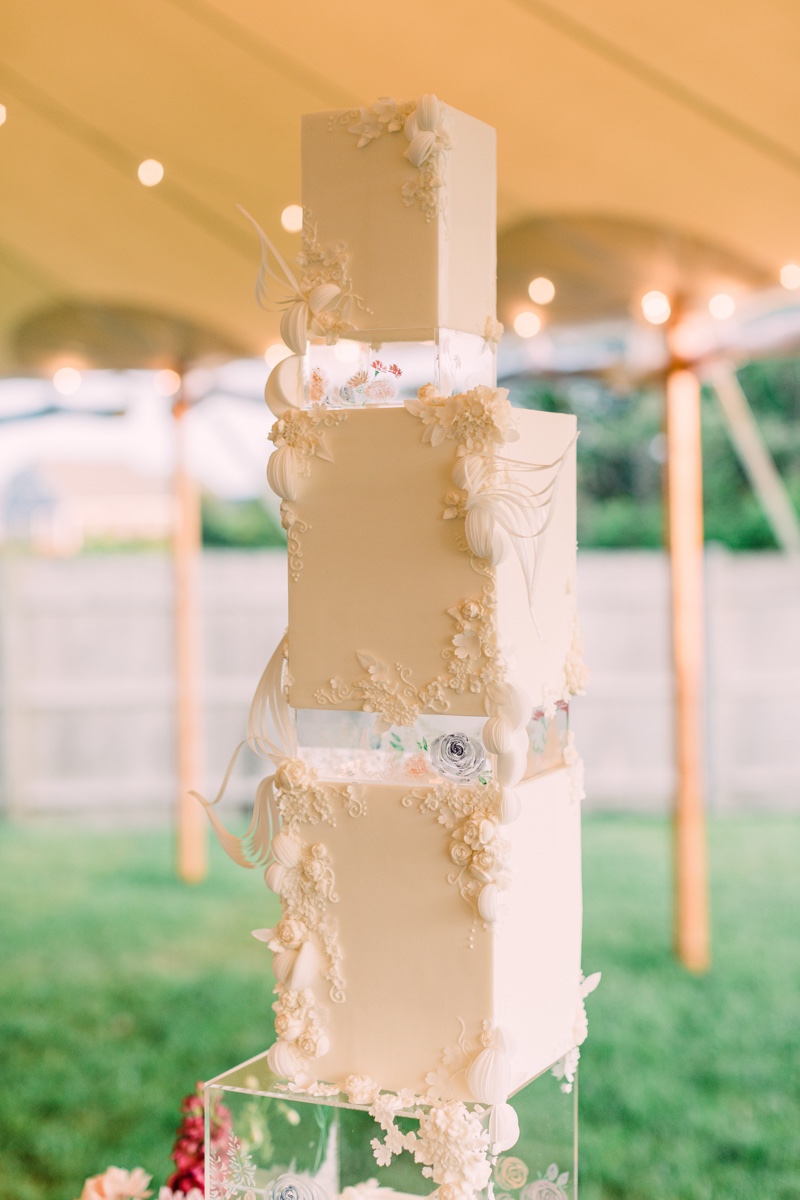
(541,290)
(67,380)
(722,306)
(167,383)
(656,308)
(275,353)
(790,276)
(346,352)
(527,324)
(150,172)
(292,218)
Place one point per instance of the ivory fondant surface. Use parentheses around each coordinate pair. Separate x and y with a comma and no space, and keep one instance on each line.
(381,567)
(537,948)
(413,271)
(411,975)
(539,635)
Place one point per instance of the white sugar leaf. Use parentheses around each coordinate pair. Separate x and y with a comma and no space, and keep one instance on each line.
(588,985)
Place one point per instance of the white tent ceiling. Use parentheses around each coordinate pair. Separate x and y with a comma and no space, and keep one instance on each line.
(682,115)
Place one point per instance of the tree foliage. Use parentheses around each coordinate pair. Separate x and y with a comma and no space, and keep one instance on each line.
(621,449)
(247,524)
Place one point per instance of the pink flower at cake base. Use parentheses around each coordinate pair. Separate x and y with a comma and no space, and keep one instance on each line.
(117,1184)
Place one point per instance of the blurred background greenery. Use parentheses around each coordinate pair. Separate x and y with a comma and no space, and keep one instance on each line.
(122,987)
(621,448)
(247,524)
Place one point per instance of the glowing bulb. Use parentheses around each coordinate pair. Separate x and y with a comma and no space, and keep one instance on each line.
(347,352)
(167,383)
(150,172)
(541,290)
(656,308)
(3,114)
(67,380)
(292,218)
(790,276)
(527,324)
(721,306)
(275,353)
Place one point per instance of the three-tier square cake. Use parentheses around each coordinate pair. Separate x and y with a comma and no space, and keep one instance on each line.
(421,818)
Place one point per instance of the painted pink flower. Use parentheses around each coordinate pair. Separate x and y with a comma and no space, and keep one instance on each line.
(381,389)
(418,766)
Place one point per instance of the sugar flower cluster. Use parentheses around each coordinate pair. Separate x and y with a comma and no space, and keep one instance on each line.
(478,420)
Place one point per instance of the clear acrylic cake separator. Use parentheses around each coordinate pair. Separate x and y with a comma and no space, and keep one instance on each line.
(264,1141)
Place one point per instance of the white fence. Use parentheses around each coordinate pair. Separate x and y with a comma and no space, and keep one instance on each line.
(87,687)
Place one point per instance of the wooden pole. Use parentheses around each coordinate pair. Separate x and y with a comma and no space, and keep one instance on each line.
(685,520)
(192,853)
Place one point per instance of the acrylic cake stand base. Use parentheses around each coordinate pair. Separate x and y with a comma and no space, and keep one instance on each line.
(288,1146)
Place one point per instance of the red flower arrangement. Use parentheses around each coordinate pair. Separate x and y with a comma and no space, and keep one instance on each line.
(188,1151)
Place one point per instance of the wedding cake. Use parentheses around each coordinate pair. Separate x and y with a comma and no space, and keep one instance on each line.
(420,821)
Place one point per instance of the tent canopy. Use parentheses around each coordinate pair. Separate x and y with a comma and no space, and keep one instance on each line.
(681,115)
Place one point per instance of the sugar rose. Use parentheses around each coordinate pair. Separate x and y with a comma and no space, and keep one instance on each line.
(290,933)
(292,775)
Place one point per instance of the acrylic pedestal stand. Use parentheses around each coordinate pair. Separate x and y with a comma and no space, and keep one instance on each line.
(288,1146)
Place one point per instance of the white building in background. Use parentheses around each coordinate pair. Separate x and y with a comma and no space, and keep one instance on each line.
(57,508)
(116,419)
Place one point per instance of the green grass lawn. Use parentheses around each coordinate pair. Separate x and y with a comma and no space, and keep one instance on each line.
(119,989)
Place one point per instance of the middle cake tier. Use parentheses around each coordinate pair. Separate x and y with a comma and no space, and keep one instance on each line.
(431,555)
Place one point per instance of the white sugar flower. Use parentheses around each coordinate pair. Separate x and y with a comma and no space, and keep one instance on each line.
(360,1089)
(367,127)
(425,131)
(467,644)
(385,109)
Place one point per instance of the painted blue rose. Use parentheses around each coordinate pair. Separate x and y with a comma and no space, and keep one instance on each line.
(294,1187)
(458,756)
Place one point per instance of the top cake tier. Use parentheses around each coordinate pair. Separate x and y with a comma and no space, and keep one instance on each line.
(404,196)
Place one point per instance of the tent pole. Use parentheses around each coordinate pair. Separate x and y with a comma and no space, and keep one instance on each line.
(192,853)
(685,517)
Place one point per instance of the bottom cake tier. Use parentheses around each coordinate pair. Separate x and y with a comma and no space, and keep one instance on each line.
(430,936)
